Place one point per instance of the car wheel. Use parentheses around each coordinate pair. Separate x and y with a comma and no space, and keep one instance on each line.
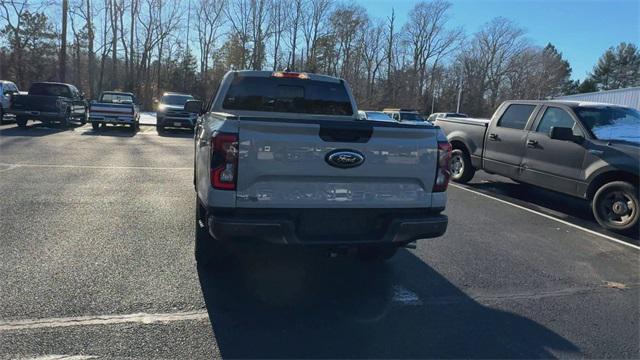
(209,252)
(21,121)
(95,126)
(376,253)
(159,129)
(461,169)
(616,206)
(67,119)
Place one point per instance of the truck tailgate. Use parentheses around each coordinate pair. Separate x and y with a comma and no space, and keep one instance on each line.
(111,109)
(283,164)
(35,103)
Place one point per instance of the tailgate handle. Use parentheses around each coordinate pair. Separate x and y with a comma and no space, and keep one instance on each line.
(349,134)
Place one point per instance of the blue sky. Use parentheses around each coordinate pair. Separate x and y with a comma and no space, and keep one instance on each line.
(581,30)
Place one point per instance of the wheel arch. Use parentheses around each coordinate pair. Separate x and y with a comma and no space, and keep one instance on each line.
(609,176)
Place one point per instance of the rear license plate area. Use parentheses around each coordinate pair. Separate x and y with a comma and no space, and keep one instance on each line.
(340,225)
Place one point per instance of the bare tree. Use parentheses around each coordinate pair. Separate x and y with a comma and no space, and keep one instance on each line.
(209,16)
(313,27)
(239,16)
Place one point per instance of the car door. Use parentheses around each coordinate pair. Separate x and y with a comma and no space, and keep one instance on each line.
(550,163)
(505,139)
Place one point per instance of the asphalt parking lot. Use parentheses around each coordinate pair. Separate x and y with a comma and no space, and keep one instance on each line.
(96,261)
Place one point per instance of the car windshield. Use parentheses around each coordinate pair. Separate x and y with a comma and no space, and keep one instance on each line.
(411,116)
(377,115)
(117,98)
(178,100)
(611,123)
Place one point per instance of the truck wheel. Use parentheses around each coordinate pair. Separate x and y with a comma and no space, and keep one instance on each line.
(95,126)
(209,252)
(616,206)
(21,121)
(83,119)
(135,127)
(159,129)
(67,119)
(376,253)
(1,115)
(461,169)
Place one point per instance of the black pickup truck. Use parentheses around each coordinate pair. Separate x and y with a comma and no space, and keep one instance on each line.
(50,102)
(586,150)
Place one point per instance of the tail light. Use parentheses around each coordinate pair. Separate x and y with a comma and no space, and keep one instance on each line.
(443,173)
(224,161)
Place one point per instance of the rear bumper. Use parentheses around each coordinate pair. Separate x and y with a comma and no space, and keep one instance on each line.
(171,121)
(111,119)
(288,228)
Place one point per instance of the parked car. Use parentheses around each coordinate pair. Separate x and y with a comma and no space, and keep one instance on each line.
(587,150)
(373,115)
(7,90)
(434,116)
(114,107)
(50,102)
(403,114)
(282,157)
(170,112)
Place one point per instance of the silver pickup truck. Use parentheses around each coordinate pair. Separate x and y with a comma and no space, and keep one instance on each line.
(283,158)
(586,150)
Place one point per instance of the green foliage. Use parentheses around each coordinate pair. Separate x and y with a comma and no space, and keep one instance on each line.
(617,68)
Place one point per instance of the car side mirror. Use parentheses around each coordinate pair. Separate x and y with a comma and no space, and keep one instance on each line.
(562,133)
(193,106)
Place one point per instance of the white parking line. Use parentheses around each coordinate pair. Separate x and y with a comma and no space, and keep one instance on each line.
(142,318)
(60,357)
(610,238)
(12,166)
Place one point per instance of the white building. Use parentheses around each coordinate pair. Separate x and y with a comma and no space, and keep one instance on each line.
(626,97)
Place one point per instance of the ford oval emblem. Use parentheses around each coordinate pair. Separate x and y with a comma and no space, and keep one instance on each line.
(344,158)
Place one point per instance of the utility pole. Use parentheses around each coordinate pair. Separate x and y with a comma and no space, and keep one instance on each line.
(459,97)
(186,64)
(63,47)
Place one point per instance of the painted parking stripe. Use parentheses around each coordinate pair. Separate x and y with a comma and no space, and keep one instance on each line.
(610,238)
(93,167)
(141,318)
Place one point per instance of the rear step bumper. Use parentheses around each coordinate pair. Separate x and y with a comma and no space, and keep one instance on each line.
(283,230)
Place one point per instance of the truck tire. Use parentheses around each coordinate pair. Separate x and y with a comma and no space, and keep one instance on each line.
(616,206)
(1,115)
(376,253)
(209,252)
(83,119)
(461,169)
(95,126)
(66,120)
(159,129)
(21,121)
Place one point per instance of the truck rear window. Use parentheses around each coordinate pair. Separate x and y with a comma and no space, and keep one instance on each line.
(50,90)
(287,95)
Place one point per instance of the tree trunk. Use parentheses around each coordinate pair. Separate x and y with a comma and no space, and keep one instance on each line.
(92,55)
(63,47)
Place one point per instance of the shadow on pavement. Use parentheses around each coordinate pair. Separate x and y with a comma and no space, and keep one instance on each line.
(112,130)
(177,132)
(35,129)
(568,208)
(294,303)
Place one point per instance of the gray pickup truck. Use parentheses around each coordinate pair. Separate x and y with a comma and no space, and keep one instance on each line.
(283,158)
(587,150)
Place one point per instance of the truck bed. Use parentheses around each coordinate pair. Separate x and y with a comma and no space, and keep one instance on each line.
(469,131)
